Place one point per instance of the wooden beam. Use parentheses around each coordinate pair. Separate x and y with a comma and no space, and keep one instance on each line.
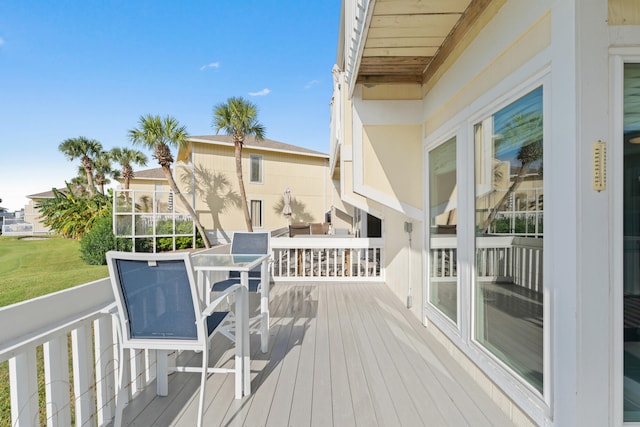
(399,51)
(457,40)
(437,25)
(413,7)
(393,66)
(396,64)
(391,32)
(417,78)
(404,42)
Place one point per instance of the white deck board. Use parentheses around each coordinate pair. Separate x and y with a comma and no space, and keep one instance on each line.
(321,409)
(341,395)
(300,414)
(400,352)
(339,354)
(362,403)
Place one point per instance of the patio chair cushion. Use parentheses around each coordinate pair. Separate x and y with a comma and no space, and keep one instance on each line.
(224,284)
(215,319)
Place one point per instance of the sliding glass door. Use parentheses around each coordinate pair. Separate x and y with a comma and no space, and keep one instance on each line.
(443,213)
(509,236)
(631,242)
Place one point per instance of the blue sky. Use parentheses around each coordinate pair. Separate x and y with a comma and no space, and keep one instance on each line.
(92,68)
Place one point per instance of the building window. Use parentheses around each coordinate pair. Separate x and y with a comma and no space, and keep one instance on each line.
(631,242)
(256,213)
(443,214)
(255,168)
(509,236)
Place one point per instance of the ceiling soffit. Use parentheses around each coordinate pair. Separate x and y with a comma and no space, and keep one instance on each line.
(407,40)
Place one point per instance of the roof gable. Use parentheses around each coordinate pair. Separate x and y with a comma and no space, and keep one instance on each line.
(264,145)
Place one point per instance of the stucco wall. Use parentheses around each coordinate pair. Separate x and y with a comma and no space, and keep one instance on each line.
(392,161)
(217,187)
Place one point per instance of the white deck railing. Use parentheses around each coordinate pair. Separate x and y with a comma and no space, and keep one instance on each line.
(327,258)
(502,259)
(77,323)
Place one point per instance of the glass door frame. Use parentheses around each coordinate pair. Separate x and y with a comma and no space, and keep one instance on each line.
(462,126)
(618,58)
(457,328)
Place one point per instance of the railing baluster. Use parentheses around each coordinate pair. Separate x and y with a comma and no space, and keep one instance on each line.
(24,389)
(83,374)
(56,378)
(327,258)
(105,368)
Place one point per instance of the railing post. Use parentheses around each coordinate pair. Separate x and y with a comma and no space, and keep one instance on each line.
(24,389)
(105,369)
(83,375)
(56,374)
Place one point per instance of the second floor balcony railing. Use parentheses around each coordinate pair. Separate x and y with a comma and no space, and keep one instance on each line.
(327,257)
(513,259)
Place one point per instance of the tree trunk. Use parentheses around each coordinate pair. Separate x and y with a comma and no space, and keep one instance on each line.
(90,186)
(492,215)
(192,213)
(243,194)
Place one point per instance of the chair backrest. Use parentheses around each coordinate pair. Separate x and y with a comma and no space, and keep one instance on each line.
(319,228)
(157,299)
(250,243)
(301,228)
(245,243)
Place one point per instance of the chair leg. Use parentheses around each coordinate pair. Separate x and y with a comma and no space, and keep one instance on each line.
(203,382)
(117,422)
(264,317)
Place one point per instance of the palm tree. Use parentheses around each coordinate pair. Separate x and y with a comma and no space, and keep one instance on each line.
(126,157)
(526,131)
(159,135)
(79,182)
(239,118)
(86,150)
(103,169)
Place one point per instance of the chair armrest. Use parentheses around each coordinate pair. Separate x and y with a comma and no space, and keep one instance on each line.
(221,297)
(110,309)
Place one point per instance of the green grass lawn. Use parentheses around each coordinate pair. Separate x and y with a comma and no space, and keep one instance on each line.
(30,268)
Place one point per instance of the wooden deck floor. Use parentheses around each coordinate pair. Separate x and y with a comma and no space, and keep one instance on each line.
(339,355)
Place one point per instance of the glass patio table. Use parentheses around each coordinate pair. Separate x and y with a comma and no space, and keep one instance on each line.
(206,263)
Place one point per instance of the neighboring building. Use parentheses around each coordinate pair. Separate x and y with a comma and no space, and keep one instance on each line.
(4,213)
(472,129)
(206,172)
(32,214)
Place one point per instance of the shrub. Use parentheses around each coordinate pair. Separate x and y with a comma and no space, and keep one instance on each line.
(95,243)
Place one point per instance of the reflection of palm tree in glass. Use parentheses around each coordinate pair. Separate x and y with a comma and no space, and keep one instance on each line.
(523,131)
(216,192)
(146,203)
(298,210)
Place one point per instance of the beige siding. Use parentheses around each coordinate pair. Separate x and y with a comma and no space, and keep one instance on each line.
(392,161)
(624,12)
(216,182)
(403,261)
(348,194)
(532,41)
(32,216)
(392,92)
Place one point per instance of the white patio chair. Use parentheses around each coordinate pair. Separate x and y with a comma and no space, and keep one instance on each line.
(244,243)
(159,309)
